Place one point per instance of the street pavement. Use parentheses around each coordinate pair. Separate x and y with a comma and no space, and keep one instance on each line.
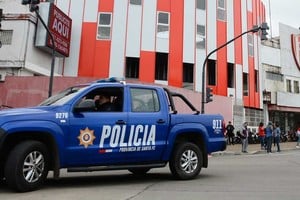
(255,149)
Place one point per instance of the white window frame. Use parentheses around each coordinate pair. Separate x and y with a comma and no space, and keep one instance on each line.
(296,87)
(289,85)
(200,36)
(221,9)
(249,5)
(251,45)
(136,2)
(6,37)
(104,37)
(161,24)
(199,4)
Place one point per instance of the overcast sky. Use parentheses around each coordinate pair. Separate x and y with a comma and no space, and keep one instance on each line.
(284,11)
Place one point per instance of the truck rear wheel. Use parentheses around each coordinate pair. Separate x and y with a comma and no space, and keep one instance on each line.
(186,161)
(27,166)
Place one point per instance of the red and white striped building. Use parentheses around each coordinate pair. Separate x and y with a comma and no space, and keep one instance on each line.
(166,42)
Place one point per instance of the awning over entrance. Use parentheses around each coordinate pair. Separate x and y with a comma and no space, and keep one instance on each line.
(283,108)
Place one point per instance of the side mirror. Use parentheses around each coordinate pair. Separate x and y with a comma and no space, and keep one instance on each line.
(85,105)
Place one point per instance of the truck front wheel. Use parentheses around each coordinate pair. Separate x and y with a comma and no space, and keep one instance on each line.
(27,166)
(186,161)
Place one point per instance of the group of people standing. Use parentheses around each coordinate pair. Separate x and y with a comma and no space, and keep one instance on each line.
(267,135)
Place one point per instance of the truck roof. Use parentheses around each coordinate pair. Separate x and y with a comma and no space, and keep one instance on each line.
(118,81)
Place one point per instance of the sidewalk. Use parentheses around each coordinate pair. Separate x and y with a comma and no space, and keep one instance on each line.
(255,149)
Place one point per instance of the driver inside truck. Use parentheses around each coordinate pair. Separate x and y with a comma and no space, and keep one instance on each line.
(103,103)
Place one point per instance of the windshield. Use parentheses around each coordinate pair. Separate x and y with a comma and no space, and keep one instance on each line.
(63,97)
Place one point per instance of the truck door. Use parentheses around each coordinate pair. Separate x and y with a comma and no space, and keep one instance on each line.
(147,125)
(95,133)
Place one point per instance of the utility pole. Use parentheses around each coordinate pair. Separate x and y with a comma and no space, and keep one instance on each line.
(1,15)
(33,6)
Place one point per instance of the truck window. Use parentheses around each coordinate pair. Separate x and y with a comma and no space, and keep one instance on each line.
(109,99)
(144,100)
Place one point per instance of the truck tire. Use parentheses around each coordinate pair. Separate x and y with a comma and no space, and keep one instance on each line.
(186,161)
(139,171)
(27,166)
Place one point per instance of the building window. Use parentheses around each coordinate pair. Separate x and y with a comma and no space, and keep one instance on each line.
(211,72)
(132,67)
(6,37)
(136,2)
(256,81)
(200,37)
(288,85)
(188,73)
(201,4)
(163,24)
(144,100)
(104,26)
(245,84)
(250,45)
(221,10)
(230,75)
(296,87)
(161,66)
(274,76)
(249,5)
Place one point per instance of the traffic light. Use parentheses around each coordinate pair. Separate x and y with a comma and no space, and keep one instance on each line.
(25,2)
(209,95)
(32,4)
(264,27)
(35,1)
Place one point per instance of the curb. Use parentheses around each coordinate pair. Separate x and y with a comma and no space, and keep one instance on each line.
(232,153)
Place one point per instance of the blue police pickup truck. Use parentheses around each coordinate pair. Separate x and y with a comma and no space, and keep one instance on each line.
(105,125)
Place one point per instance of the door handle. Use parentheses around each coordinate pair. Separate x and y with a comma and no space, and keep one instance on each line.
(160,121)
(120,122)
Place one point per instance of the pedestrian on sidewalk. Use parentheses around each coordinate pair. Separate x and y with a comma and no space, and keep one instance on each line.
(229,133)
(269,136)
(244,137)
(262,136)
(277,133)
(298,134)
